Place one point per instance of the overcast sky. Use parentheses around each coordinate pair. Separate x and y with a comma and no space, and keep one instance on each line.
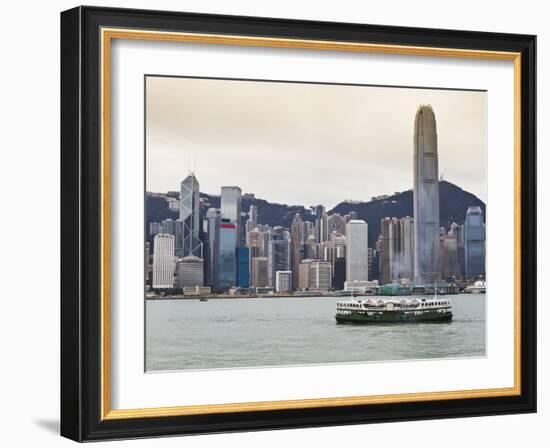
(306,144)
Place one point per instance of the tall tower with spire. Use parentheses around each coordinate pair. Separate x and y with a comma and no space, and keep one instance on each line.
(189,216)
(426,198)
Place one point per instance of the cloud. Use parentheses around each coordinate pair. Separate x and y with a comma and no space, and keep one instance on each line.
(306,144)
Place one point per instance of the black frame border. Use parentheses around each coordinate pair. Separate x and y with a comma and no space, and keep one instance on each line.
(81,223)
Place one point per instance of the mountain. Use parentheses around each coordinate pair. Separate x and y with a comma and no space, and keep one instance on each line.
(453,203)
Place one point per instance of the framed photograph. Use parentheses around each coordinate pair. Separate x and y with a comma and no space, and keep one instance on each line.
(272,223)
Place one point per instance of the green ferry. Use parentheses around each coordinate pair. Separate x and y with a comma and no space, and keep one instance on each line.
(394,310)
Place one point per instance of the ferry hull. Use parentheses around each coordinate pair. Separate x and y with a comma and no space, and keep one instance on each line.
(393,318)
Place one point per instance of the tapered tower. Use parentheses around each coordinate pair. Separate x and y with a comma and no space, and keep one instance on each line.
(189,216)
(426,198)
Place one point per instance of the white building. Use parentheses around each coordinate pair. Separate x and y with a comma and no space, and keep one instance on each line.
(189,272)
(163,261)
(320,275)
(283,281)
(357,255)
(196,290)
(362,287)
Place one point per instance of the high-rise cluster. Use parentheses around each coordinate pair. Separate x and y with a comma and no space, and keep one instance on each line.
(225,248)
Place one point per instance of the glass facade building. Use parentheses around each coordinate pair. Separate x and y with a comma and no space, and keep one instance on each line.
(243,271)
(189,216)
(227,261)
(212,224)
(426,198)
(230,205)
(474,243)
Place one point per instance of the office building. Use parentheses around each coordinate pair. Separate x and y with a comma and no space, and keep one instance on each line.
(147,255)
(320,276)
(297,248)
(283,281)
(258,272)
(319,212)
(231,209)
(474,243)
(163,261)
(189,272)
(356,250)
(212,223)
(406,248)
(155,228)
(174,227)
(387,249)
(339,273)
(278,253)
(243,267)
(336,223)
(426,198)
(253,215)
(227,260)
(311,248)
(189,216)
(448,256)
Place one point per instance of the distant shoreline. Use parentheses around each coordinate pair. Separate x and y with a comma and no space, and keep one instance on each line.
(254,296)
(283,296)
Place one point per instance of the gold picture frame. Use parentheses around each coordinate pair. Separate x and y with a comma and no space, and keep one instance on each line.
(106,30)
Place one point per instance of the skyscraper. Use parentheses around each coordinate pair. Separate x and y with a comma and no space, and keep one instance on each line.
(251,222)
(278,258)
(324,227)
(357,257)
(163,261)
(320,276)
(337,256)
(297,251)
(212,224)
(459,231)
(406,233)
(387,235)
(189,272)
(426,198)
(258,272)
(155,228)
(243,272)
(227,261)
(474,243)
(253,215)
(231,209)
(189,216)
(339,273)
(310,248)
(255,242)
(174,227)
(319,211)
(147,255)
(448,257)
(283,281)
(336,223)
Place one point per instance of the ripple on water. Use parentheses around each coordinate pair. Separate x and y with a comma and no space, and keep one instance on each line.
(183,334)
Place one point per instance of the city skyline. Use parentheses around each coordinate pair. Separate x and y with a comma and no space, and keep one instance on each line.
(219,247)
(329,136)
(330,253)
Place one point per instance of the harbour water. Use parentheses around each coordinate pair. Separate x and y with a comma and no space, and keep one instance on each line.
(232,333)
